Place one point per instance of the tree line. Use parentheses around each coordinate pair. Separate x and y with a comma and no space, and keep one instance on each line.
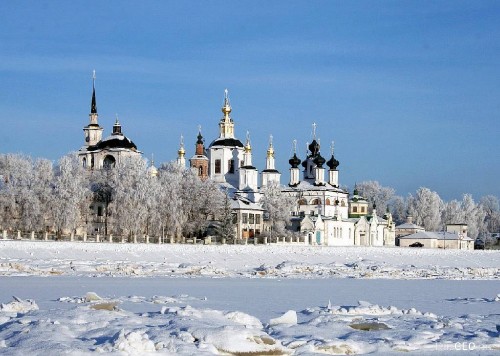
(433,213)
(37,195)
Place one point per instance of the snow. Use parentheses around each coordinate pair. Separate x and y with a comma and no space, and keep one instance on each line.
(47,258)
(289,318)
(129,299)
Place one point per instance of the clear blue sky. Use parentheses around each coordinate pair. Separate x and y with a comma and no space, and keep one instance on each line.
(409,90)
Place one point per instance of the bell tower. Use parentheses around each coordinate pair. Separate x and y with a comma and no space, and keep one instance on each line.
(93,132)
(199,161)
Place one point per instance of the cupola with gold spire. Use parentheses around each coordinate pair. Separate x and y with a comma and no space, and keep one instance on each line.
(270,174)
(247,156)
(248,173)
(226,153)
(152,170)
(181,153)
(226,124)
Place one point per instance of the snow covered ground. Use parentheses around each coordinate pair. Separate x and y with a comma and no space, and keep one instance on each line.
(20,258)
(80,298)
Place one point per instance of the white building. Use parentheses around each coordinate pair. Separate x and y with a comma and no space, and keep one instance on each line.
(97,153)
(455,237)
(324,215)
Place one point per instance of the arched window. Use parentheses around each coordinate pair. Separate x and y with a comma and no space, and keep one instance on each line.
(342,203)
(109,162)
(316,202)
(327,202)
(200,171)
(302,202)
(84,162)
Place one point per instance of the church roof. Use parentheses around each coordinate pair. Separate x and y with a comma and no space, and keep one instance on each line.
(434,235)
(305,185)
(114,141)
(409,226)
(242,203)
(200,157)
(231,142)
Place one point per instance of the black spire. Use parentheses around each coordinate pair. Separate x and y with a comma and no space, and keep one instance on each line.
(93,106)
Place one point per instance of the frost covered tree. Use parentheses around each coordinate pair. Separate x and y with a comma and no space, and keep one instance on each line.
(43,189)
(71,194)
(19,208)
(102,185)
(225,229)
(473,215)
(376,194)
(168,202)
(426,207)
(278,207)
(129,204)
(25,192)
(452,212)
(399,209)
(203,200)
(491,207)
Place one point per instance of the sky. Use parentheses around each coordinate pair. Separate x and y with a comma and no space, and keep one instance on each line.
(408,90)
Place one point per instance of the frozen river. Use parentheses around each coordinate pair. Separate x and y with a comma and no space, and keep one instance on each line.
(264,298)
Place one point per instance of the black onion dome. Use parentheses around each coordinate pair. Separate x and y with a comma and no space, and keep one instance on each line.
(314,147)
(333,163)
(319,160)
(117,141)
(294,161)
(200,138)
(232,142)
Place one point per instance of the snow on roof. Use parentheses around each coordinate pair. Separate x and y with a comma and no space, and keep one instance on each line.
(437,235)
(409,226)
(305,185)
(242,203)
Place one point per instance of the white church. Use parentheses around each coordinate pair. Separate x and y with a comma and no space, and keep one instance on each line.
(324,213)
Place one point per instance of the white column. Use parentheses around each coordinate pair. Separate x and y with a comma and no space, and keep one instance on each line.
(294,176)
